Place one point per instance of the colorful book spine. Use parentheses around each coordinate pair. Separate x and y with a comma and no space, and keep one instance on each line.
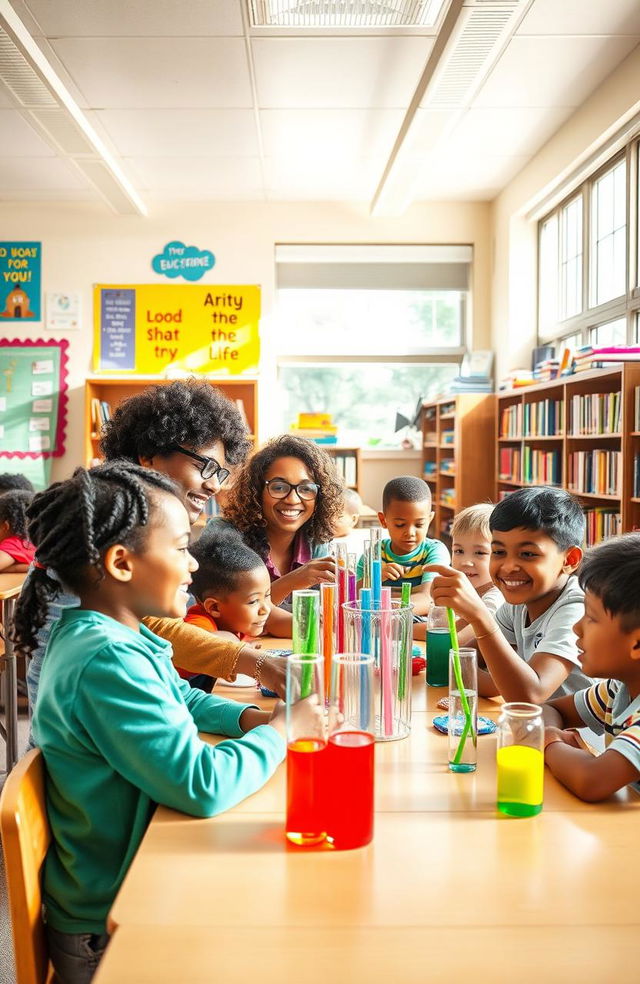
(594,472)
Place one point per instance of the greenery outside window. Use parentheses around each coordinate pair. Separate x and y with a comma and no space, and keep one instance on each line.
(363,332)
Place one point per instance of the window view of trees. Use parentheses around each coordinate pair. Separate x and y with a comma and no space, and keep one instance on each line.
(362,397)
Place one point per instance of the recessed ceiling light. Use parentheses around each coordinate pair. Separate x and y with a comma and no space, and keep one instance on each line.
(344,13)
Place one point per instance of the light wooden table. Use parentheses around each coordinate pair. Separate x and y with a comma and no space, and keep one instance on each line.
(446,883)
(10,587)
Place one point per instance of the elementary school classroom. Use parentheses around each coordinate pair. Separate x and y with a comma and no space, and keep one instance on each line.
(319,491)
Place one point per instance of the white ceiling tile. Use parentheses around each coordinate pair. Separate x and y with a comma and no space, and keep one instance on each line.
(33,174)
(580,17)
(552,71)
(197,179)
(345,73)
(505,130)
(353,181)
(181,132)
(330,134)
(18,139)
(141,18)
(451,177)
(129,73)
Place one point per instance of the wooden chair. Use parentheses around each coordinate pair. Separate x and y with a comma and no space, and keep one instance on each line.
(25,838)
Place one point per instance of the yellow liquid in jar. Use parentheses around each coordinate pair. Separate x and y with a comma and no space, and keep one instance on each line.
(520,780)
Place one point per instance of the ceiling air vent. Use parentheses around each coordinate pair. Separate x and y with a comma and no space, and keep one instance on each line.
(473,49)
(19,77)
(344,13)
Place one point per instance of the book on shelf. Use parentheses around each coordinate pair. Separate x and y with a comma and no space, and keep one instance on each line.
(594,472)
(463,385)
(517,378)
(100,413)
(543,418)
(546,370)
(345,464)
(595,414)
(636,476)
(600,524)
(600,357)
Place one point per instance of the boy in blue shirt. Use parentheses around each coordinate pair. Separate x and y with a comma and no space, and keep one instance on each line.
(407,514)
(609,647)
(529,646)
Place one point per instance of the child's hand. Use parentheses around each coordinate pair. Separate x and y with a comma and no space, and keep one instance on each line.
(307,718)
(568,736)
(273,675)
(317,571)
(453,589)
(392,572)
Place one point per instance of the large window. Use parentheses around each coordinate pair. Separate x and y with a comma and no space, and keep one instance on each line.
(608,235)
(587,245)
(365,332)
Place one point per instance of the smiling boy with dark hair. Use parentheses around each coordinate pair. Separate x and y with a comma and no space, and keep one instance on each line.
(609,645)
(529,647)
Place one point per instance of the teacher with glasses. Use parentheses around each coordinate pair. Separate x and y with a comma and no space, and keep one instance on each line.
(285,500)
(191,432)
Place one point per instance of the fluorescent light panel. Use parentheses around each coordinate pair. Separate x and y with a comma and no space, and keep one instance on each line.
(344,13)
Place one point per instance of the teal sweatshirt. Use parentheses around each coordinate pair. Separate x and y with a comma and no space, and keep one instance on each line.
(119,732)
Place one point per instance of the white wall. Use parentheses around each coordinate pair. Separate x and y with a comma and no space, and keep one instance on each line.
(574,150)
(83,245)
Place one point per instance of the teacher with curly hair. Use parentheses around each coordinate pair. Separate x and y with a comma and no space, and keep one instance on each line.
(285,501)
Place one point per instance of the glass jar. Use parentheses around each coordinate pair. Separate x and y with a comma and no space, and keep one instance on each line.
(438,646)
(520,759)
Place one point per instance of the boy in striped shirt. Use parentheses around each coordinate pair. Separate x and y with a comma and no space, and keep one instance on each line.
(609,644)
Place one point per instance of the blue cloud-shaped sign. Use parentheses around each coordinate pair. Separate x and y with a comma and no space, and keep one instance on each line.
(178,260)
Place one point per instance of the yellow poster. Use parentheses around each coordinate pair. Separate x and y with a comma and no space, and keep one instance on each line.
(148,328)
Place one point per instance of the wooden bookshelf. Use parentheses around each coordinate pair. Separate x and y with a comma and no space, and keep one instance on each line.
(458,454)
(347,461)
(113,390)
(592,436)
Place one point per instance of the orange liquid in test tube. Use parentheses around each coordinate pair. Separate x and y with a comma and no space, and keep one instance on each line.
(328,602)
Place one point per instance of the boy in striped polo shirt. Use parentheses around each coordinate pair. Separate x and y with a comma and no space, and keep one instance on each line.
(609,644)
(406,515)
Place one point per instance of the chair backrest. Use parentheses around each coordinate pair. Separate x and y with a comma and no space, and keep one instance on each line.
(25,839)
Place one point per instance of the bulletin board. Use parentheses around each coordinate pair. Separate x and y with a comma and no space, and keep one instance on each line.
(147,329)
(33,399)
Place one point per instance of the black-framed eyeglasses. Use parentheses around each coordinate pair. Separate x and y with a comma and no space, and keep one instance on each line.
(279,489)
(209,467)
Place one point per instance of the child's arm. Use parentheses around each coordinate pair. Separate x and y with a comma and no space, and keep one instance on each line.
(314,572)
(150,736)
(421,598)
(512,677)
(592,778)
(200,651)
(279,623)
(8,564)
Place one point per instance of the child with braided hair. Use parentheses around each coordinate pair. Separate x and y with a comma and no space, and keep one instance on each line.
(117,727)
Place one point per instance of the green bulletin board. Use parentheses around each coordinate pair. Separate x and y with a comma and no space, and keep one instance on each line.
(33,406)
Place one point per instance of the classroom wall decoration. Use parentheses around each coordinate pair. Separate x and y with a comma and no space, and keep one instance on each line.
(33,405)
(178,260)
(149,329)
(20,266)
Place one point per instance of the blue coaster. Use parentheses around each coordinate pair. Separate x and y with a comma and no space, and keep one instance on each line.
(485,725)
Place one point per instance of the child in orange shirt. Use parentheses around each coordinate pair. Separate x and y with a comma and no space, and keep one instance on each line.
(233,591)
